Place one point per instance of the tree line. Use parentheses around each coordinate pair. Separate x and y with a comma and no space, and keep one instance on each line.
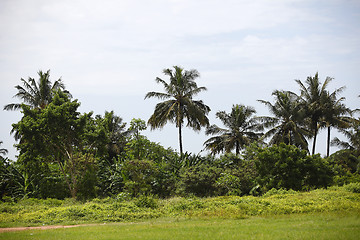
(65,153)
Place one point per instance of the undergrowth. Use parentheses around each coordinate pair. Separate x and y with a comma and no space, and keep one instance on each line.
(33,212)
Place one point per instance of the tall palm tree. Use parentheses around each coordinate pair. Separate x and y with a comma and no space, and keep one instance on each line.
(36,94)
(287,124)
(179,103)
(313,95)
(335,114)
(241,129)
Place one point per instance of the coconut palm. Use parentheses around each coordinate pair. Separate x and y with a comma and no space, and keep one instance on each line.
(335,114)
(241,129)
(36,94)
(287,124)
(353,136)
(116,134)
(3,151)
(179,103)
(313,96)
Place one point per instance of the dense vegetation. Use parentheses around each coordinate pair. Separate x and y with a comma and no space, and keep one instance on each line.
(336,200)
(65,153)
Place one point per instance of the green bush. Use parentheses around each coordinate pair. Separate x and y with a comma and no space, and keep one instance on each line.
(280,191)
(353,187)
(230,184)
(139,176)
(146,202)
(286,166)
(199,180)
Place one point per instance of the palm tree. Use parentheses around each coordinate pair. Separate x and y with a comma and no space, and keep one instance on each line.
(241,130)
(287,124)
(335,114)
(313,95)
(179,103)
(352,134)
(116,134)
(36,94)
(3,151)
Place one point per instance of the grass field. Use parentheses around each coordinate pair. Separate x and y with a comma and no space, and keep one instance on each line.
(319,214)
(295,226)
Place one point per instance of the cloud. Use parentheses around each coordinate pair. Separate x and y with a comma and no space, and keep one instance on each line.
(112,50)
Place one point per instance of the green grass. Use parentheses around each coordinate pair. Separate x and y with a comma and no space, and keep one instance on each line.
(34,212)
(320,214)
(294,226)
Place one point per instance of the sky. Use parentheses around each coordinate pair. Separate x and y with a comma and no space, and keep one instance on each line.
(109,52)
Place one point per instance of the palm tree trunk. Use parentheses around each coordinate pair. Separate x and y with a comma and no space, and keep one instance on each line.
(314,143)
(180,140)
(328,143)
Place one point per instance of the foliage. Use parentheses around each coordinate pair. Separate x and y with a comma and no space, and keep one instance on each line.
(139,177)
(347,159)
(230,183)
(180,90)
(58,133)
(353,187)
(279,202)
(3,151)
(287,125)
(335,115)
(199,180)
(353,136)
(241,129)
(37,94)
(65,153)
(110,177)
(286,166)
(313,99)
(115,137)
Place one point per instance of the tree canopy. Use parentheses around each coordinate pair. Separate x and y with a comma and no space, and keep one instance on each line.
(179,103)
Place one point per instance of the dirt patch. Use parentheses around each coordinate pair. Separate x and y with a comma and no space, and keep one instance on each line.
(36,228)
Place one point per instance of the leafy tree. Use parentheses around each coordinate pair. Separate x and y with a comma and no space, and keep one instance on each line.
(287,124)
(286,166)
(199,180)
(58,133)
(241,129)
(179,103)
(346,162)
(137,125)
(313,97)
(37,94)
(139,177)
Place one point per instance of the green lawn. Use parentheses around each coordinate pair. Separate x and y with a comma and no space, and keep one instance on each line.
(295,226)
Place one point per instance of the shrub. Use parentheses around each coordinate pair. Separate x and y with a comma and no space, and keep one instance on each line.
(146,202)
(199,180)
(353,187)
(280,191)
(229,184)
(139,177)
(288,167)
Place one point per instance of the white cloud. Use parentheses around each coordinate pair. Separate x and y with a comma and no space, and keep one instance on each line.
(243,48)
